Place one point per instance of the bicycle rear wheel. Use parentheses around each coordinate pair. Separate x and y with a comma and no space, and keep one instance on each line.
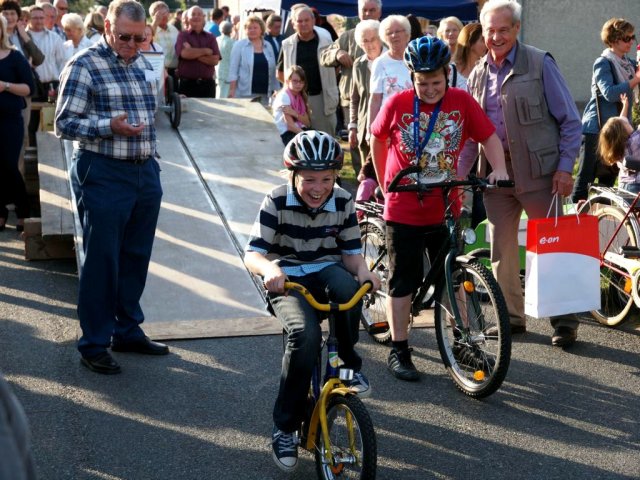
(616,299)
(353,441)
(477,356)
(374,306)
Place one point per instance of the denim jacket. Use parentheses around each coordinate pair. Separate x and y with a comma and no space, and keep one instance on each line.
(241,67)
(610,91)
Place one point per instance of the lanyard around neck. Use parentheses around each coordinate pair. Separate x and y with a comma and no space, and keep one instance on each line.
(419,146)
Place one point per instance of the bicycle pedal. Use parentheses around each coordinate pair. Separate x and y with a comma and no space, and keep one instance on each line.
(379,327)
(630,252)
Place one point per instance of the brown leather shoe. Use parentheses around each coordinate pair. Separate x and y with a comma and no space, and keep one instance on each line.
(564,336)
(515,330)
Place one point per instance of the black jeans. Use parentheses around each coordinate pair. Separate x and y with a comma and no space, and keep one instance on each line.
(302,325)
(587,171)
(201,88)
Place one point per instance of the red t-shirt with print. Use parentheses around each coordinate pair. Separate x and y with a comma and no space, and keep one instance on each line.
(460,117)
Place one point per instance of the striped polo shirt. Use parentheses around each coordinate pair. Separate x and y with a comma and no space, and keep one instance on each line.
(300,240)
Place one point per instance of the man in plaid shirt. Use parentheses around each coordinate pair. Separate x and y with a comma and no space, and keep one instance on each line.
(107,104)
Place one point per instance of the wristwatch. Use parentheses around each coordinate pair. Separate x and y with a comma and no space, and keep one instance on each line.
(6,86)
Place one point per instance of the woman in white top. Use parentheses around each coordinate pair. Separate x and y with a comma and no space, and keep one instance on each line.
(74,30)
(149,45)
(94,26)
(389,74)
(253,64)
(471,48)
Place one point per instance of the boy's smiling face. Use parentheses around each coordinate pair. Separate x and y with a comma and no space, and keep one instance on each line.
(314,187)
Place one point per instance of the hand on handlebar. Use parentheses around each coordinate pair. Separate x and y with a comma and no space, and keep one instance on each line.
(274,280)
(372,277)
(497,175)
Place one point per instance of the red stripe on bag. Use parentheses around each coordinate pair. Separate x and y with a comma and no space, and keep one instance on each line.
(564,234)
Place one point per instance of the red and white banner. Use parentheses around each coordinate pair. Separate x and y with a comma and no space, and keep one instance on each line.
(563,266)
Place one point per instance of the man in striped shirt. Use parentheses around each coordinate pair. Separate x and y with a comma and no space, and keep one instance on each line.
(107,104)
(307,232)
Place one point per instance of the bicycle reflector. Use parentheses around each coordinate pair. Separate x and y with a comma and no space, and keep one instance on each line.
(469,236)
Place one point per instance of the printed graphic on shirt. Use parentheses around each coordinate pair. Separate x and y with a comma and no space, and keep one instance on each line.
(393,84)
(439,155)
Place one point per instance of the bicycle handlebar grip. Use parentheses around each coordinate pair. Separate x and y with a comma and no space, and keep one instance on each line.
(401,174)
(505,183)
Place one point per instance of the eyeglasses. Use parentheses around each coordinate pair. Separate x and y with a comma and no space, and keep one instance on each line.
(63,9)
(126,37)
(628,39)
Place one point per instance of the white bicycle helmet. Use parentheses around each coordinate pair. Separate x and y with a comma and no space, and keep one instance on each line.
(313,150)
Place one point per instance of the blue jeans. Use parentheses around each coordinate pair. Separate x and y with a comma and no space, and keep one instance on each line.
(302,325)
(118,203)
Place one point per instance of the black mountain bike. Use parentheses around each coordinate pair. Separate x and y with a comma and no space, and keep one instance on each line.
(471,317)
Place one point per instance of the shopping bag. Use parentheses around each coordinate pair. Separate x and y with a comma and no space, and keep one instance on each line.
(563,266)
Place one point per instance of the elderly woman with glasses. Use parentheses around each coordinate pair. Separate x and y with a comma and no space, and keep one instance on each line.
(614,73)
(389,74)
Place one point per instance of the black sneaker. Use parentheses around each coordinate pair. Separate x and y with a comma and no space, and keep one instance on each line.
(400,364)
(472,358)
(285,449)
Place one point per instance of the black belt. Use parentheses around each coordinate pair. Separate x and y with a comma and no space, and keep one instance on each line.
(197,80)
(136,161)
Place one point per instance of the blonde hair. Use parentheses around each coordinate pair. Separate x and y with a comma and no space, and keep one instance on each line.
(469,35)
(443,25)
(255,19)
(5,44)
(613,140)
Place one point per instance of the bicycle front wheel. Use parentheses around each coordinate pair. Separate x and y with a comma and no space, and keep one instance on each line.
(374,305)
(615,288)
(352,441)
(476,348)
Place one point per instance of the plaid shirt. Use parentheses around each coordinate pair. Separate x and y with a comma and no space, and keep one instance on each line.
(97,85)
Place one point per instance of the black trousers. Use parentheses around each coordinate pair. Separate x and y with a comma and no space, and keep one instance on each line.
(200,88)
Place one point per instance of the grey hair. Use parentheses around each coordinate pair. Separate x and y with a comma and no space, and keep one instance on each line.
(72,20)
(362,2)
(296,13)
(226,27)
(366,26)
(131,9)
(492,5)
(155,6)
(386,23)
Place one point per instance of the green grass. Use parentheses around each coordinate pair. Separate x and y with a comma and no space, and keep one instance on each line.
(347,174)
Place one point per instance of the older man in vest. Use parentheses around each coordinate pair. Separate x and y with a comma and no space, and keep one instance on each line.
(305,49)
(523,92)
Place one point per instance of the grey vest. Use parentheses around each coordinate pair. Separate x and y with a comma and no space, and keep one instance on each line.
(532,132)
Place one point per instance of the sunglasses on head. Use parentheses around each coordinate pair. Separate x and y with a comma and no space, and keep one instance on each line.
(126,37)
(628,38)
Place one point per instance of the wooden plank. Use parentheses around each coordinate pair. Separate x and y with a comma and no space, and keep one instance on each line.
(55,192)
(38,248)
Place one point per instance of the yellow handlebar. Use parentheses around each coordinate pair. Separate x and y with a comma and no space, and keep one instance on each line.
(326,307)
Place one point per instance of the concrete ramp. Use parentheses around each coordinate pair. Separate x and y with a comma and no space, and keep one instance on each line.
(238,151)
(197,284)
(215,173)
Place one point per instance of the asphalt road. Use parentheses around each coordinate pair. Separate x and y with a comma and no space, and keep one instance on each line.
(205,410)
